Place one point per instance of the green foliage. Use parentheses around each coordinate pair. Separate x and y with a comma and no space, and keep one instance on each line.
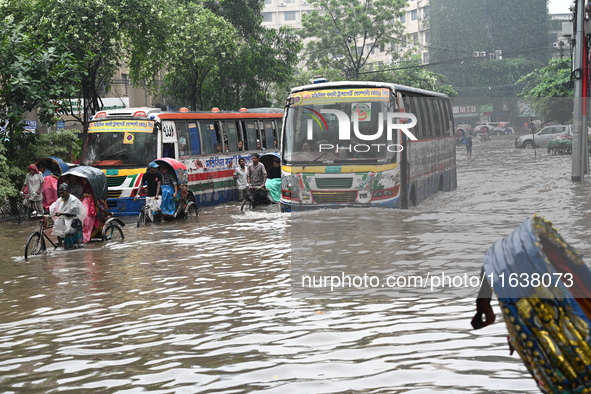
(345,32)
(200,43)
(550,91)
(459,28)
(413,73)
(259,69)
(22,149)
(32,76)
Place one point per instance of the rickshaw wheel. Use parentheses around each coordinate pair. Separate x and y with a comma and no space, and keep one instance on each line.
(192,211)
(112,233)
(35,245)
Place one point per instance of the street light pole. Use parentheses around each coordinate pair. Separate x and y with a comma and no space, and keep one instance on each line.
(579,166)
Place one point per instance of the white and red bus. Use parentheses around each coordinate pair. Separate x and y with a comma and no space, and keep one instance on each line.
(122,142)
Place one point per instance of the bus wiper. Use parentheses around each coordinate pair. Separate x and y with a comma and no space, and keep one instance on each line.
(110,157)
(316,159)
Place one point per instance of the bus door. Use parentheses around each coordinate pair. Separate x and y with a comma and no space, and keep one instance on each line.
(169,140)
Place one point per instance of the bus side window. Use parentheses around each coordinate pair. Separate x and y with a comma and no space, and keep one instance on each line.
(208,139)
(183,139)
(251,134)
(194,138)
(424,109)
(241,135)
(269,135)
(438,117)
(420,128)
(261,142)
(230,129)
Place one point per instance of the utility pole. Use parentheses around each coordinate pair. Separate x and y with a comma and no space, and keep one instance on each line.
(580,159)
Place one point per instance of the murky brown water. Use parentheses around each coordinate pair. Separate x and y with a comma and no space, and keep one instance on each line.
(205,306)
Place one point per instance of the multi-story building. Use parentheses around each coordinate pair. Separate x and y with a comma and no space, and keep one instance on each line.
(278,13)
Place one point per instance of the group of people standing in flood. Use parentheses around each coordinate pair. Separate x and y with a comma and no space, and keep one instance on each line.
(255,176)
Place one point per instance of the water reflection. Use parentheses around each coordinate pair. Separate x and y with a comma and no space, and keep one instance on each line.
(206,306)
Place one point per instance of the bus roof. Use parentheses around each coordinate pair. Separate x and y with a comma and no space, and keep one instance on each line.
(367,84)
(245,113)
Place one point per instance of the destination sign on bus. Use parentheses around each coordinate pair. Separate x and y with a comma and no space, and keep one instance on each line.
(123,126)
(341,95)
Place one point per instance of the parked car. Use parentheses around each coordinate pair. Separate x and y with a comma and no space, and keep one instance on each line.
(493,128)
(542,137)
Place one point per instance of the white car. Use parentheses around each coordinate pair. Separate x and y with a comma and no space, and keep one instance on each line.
(541,138)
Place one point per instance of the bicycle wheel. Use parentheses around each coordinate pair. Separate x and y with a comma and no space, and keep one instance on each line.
(113,233)
(141,219)
(35,245)
(192,211)
(246,205)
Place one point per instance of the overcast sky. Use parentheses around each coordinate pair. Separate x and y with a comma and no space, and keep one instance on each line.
(559,6)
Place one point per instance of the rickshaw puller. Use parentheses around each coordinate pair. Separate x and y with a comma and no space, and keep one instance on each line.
(70,215)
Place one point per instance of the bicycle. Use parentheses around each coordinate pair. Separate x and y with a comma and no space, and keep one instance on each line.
(253,198)
(36,242)
(24,208)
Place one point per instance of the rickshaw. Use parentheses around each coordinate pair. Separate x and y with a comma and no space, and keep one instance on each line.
(185,206)
(104,227)
(56,166)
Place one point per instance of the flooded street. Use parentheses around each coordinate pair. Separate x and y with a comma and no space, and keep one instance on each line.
(206,306)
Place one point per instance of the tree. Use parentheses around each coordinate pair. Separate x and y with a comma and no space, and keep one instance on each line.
(258,69)
(32,76)
(199,43)
(550,91)
(344,33)
(101,35)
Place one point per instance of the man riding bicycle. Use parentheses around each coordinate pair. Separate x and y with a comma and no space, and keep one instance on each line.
(257,176)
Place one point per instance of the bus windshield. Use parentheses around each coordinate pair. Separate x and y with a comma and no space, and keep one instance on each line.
(120,143)
(341,126)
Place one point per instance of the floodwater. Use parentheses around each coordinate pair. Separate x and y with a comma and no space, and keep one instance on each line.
(206,306)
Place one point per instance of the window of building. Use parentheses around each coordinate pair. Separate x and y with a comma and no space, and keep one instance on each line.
(426,11)
(415,37)
(414,15)
(290,1)
(425,57)
(268,1)
(403,18)
(267,16)
(360,50)
(289,16)
(427,36)
(370,47)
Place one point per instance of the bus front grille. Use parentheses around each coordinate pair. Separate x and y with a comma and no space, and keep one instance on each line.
(349,196)
(115,180)
(334,183)
(113,193)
